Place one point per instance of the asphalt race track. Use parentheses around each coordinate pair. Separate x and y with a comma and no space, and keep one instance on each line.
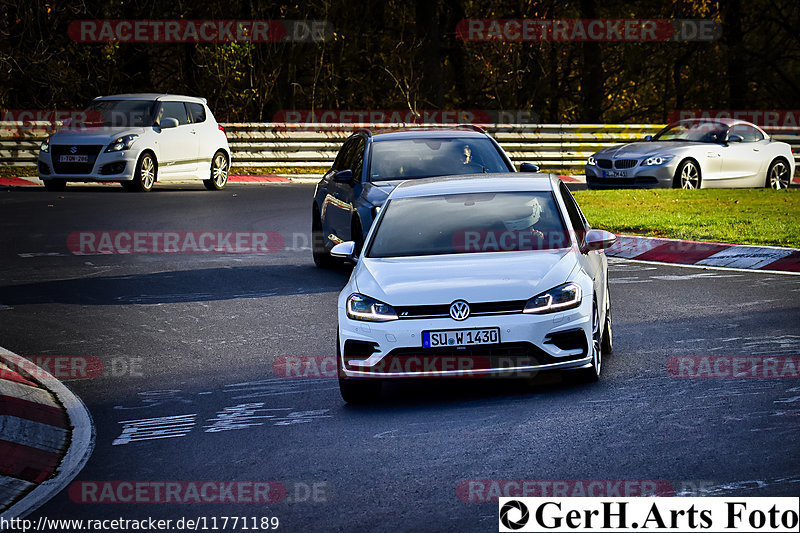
(195,337)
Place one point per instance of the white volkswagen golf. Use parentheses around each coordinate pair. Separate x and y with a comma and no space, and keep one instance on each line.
(137,140)
(476,275)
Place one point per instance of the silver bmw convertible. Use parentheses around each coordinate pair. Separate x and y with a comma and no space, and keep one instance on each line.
(694,154)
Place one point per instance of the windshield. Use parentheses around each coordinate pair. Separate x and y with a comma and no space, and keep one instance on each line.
(123,113)
(424,158)
(707,132)
(469,223)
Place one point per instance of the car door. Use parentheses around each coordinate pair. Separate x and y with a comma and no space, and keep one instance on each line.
(206,135)
(341,195)
(742,161)
(177,147)
(593,262)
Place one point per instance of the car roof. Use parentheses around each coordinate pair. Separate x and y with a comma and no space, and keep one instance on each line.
(162,97)
(722,120)
(426,133)
(476,183)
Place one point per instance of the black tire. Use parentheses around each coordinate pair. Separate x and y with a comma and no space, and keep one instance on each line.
(322,258)
(356,391)
(688,175)
(778,176)
(219,172)
(357,236)
(55,185)
(591,374)
(359,391)
(608,334)
(146,172)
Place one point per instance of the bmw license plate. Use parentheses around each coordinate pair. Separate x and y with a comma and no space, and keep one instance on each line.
(460,337)
(615,174)
(73,159)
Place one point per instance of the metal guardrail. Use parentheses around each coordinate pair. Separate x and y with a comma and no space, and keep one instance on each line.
(315,145)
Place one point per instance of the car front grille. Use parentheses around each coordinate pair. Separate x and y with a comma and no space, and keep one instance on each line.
(639,181)
(625,163)
(604,163)
(90,150)
(475,309)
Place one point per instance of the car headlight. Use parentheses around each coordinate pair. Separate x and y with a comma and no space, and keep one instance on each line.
(45,146)
(657,160)
(563,297)
(591,162)
(123,143)
(360,307)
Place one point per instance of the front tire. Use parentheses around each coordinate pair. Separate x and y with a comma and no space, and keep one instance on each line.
(322,258)
(145,176)
(219,172)
(55,185)
(688,175)
(778,175)
(356,391)
(591,374)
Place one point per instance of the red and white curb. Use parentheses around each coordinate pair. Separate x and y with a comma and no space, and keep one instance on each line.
(707,254)
(46,437)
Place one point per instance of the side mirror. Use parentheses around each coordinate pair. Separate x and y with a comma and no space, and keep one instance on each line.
(597,239)
(168,122)
(734,139)
(528,167)
(343,176)
(345,250)
(648,137)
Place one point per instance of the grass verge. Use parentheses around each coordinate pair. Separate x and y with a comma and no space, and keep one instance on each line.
(739,216)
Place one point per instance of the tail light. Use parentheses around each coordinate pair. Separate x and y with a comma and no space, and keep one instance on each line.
(222,129)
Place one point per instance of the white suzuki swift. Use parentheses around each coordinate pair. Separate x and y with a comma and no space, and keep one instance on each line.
(137,140)
(469,276)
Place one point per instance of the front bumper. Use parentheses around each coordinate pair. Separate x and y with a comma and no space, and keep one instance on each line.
(661,176)
(106,166)
(528,343)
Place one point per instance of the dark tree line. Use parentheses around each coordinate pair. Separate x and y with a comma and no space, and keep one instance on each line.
(406,55)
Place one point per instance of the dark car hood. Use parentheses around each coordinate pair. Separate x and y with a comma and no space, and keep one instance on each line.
(377,193)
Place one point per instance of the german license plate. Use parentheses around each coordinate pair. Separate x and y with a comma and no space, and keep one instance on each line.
(615,174)
(460,337)
(73,159)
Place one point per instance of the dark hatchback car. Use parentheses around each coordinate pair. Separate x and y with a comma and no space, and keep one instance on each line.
(370,165)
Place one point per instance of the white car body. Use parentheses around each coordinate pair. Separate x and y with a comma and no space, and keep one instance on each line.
(181,152)
(486,277)
(753,159)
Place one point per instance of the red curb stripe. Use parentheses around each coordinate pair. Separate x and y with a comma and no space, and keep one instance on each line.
(25,462)
(681,252)
(790,263)
(16,182)
(36,412)
(267,178)
(568,179)
(10,375)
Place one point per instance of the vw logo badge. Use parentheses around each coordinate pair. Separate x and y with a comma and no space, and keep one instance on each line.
(459,310)
(73,150)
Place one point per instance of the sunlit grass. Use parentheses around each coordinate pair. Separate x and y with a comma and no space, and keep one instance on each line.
(741,216)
